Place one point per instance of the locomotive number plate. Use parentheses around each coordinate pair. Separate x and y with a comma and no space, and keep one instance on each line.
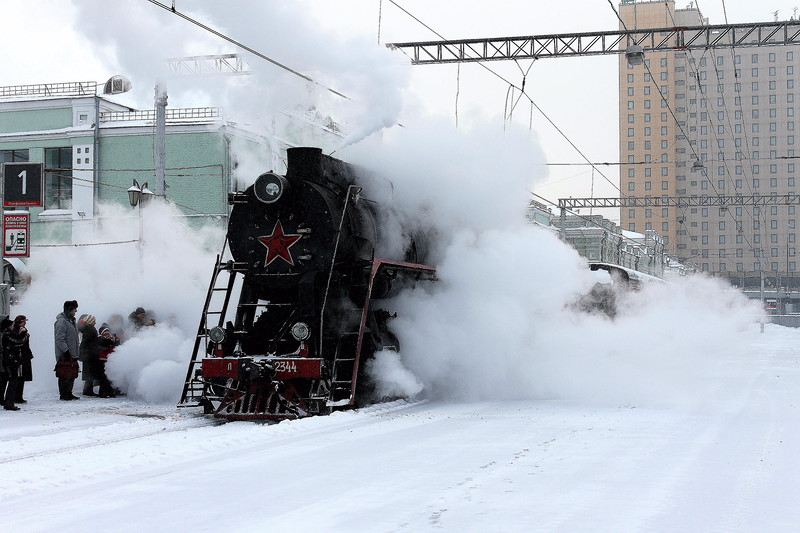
(297,368)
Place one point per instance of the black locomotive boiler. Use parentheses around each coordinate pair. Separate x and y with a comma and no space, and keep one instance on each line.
(305,261)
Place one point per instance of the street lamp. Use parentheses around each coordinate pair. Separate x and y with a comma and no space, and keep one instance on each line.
(634,54)
(140,196)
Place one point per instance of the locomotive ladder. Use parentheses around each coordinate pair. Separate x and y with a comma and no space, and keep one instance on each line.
(193,387)
(347,358)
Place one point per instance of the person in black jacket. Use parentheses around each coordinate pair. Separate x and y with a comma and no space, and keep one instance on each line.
(5,378)
(27,359)
(16,348)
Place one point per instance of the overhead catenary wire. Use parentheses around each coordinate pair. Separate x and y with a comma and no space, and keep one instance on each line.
(512,85)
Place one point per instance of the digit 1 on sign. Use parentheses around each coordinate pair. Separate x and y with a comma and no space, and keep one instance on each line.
(24,176)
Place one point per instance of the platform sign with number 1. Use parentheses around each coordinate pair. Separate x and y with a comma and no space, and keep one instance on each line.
(22,184)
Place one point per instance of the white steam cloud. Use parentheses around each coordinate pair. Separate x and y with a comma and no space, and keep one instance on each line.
(108,279)
(497,325)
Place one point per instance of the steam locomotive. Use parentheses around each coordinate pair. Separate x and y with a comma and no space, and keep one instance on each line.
(307,262)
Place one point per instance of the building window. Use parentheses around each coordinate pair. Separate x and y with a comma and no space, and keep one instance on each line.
(58,178)
(14,156)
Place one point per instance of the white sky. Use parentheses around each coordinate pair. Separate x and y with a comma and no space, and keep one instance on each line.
(52,41)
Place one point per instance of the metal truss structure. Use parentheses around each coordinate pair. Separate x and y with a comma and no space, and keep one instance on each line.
(231,64)
(601,43)
(679,201)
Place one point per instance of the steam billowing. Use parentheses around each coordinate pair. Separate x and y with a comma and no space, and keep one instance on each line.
(107,279)
(496,326)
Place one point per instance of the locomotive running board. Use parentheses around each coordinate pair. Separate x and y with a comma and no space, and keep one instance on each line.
(423,272)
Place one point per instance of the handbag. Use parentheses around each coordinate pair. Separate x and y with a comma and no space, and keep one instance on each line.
(66,369)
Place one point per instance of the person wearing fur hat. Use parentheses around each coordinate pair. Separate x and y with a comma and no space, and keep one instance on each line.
(21,338)
(89,353)
(16,352)
(65,335)
(8,383)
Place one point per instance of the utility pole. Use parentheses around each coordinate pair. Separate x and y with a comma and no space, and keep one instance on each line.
(161,137)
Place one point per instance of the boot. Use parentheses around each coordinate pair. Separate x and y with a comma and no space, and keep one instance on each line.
(10,407)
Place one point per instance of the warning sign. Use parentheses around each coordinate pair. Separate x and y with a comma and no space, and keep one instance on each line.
(16,229)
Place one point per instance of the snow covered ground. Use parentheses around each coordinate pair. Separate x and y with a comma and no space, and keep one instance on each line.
(724,460)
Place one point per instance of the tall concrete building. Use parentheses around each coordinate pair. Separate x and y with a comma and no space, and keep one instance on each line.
(711,122)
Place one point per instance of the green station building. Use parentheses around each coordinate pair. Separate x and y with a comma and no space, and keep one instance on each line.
(93,148)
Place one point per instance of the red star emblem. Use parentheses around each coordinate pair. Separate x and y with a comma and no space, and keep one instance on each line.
(278,244)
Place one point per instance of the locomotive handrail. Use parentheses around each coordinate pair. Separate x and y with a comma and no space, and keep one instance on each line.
(333,263)
(377,264)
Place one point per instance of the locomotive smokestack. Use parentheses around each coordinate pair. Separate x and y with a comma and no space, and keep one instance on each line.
(304,163)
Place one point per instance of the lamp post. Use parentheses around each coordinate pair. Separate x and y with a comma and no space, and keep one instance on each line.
(140,196)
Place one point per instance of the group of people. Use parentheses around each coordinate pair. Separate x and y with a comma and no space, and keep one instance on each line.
(75,340)
(81,340)
(15,367)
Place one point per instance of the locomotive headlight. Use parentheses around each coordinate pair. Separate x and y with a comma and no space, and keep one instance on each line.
(300,331)
(216,334)
(269,187)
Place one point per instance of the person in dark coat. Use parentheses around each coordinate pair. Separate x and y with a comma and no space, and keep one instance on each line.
(89,353)
(65,336)
(137,318)
(5,380)
(106,343)
(21,322)
(16,349)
